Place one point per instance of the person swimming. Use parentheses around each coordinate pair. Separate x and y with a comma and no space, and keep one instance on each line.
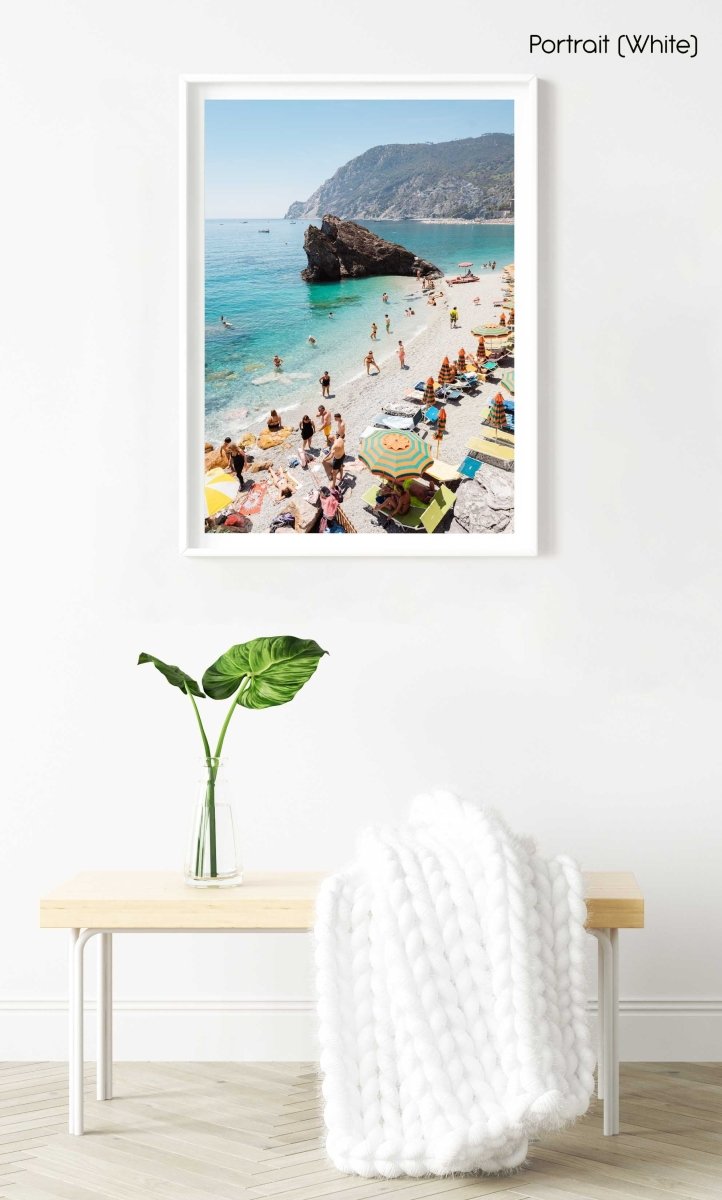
(277,362)
(311,340)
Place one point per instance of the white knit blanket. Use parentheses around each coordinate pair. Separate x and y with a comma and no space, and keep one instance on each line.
(451,978)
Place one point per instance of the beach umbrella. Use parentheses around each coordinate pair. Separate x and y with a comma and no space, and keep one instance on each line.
(481,351)
(497,412)
(461,359)
(445,375)
(440,428)
(464,264)
(220,489)
(429,391)
(502,319)
(395,455)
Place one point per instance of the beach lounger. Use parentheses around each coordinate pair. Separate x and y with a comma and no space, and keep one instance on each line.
(431,415)
(449,394)
(385,421)
(469,466)
(442,503)
(408,407)
(496,454)
(410,520)
(442,472)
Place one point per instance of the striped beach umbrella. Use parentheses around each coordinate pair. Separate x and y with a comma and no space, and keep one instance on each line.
(440,428)
(461,359)
(497,412)
(429,391)
(395,455)
(502,319)
(481,351)
(220,489)
(445,373)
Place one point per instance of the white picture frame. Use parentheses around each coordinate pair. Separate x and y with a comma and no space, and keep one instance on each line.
(194,91)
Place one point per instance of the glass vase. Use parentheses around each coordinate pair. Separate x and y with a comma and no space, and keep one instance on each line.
(213,859)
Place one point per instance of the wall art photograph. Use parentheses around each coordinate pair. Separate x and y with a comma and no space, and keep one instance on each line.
(362,320)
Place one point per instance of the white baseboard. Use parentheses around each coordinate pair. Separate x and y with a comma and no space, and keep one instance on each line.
(283,1029)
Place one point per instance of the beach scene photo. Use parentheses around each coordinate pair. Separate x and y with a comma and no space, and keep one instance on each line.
(360,318)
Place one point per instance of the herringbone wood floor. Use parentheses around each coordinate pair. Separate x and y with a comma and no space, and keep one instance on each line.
(200,1131)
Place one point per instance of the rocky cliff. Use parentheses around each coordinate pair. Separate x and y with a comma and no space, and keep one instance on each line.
(345,250)
(468,179)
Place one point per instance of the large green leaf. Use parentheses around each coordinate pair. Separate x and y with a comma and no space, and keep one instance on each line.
(275,669)
(174,675)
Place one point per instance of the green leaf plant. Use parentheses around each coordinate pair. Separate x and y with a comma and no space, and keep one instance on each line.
(263,673)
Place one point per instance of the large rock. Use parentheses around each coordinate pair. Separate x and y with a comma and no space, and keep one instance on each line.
(345,250)
(485,504)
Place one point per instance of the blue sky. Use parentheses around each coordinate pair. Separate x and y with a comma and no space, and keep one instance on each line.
(261,155)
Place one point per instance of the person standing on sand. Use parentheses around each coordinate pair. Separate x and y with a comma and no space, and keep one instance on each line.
(235,458)
(374,332)
(334,460)
(387,320)
(308,429)
(370,362)
(323,422)
(325,382)
(402,355)
(340,426)
(454,317)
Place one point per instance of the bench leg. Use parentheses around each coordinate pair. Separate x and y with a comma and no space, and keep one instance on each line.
(104,1072)
(608,1063)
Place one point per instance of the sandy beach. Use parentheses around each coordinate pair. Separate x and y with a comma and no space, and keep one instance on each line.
(427,338)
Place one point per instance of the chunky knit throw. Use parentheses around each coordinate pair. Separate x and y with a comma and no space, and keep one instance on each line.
(451,992)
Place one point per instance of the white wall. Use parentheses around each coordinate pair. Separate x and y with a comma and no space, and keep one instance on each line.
(579,691)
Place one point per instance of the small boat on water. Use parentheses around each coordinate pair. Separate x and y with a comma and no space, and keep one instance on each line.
(264,231)
(467,277)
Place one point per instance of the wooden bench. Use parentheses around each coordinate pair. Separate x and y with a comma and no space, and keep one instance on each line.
(108,902)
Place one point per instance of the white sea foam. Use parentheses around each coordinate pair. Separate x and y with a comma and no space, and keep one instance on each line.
(287,378)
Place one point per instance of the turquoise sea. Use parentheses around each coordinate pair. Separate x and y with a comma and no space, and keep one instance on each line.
(253,280)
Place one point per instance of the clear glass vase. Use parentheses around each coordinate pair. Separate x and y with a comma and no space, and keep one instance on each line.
(213,859)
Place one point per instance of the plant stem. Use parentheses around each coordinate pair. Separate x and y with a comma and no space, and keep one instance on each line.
(211,807)
(206,744)
(210,803)
(221,737)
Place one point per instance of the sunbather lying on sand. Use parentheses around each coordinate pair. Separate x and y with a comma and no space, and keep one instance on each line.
(284,483)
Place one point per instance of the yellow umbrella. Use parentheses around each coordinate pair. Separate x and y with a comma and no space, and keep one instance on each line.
(220,489)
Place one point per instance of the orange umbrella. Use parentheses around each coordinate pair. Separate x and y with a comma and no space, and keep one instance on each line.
(461,360)
(429,392)
(445,375)
(440,428)
(502,319)
(481,351)
(497,412)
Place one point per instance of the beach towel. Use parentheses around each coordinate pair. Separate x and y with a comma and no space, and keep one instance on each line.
(450,965)
(253,503)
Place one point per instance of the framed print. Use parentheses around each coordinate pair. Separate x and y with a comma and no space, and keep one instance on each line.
(358,316)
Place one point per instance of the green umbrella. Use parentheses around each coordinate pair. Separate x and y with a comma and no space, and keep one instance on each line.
(395,455)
